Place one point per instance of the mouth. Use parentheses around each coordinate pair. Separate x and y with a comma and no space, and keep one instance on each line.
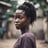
(17,24)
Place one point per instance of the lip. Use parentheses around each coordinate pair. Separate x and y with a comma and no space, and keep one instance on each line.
(17,23)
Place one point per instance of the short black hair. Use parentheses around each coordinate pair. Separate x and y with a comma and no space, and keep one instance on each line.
(30,11)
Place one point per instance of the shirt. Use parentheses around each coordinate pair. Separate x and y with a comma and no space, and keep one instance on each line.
(27,40)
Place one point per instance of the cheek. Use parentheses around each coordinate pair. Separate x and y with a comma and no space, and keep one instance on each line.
(23,21)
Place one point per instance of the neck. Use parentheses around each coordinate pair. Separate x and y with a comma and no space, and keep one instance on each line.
(25,29)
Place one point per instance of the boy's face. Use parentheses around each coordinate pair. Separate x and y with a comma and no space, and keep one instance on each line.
(21,20)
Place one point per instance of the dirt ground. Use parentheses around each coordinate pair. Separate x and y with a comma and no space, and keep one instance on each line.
(8,43)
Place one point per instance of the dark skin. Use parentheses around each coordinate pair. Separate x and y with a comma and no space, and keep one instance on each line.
(22,22)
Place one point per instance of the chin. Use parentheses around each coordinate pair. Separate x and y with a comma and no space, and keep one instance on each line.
(17,27)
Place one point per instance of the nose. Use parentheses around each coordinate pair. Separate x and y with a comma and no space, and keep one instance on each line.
(17,20)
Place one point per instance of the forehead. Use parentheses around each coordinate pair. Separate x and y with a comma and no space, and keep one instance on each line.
(19,12)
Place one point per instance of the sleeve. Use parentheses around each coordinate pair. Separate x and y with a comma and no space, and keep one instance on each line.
(27,43)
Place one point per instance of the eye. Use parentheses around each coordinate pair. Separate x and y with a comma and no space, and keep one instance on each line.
(21,17)
(15,17)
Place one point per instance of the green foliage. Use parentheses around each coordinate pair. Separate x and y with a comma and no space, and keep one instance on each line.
(1,31)
(30,0)
(5,1)
(40,2)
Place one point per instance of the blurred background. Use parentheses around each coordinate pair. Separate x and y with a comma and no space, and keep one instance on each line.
(7,27)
